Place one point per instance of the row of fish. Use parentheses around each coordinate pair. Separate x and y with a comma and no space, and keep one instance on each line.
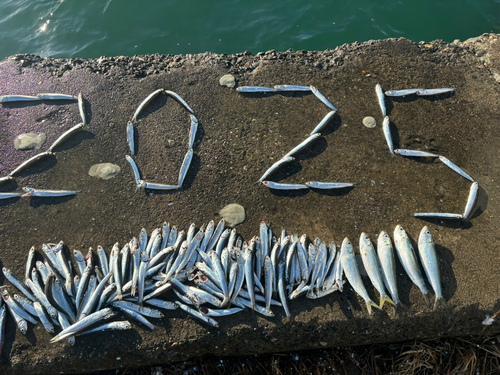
(211,265)
(471,200)
(313,136)
(29,192)
(187,158)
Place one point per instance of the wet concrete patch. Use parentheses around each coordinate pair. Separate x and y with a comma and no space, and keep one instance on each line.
(240,136)
(29,141)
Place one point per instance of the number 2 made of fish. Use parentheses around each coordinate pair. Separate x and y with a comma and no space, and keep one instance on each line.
(313,136)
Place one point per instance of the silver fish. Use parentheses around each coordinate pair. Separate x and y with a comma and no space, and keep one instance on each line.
(146,311)
(471,200)
(166,305)
(81,108)
(80,261)
(185,166)
(5,179)
(255,89)
(456,168)
(221,312)
(64,322)
(26,304)
(137,175)
(328,185)
(16,281)
(350,267)
(84,323)
(280,186)
(323,122)
(307,142)
(51,96)
(402,92)
(322,98)
(198,315)
(192,131)
(438,215)
(381,99)
(215,237)
(3,319)
(291,88)
(268,282)
(180,100)
(9,195)
(17,98)
(260,309)
(145,102)
(30,161)
(385,254)
(281,286)
(43,318)
(112,326)
(407,258)
(387,133)
(154,186)
(29,262)
(428,257)
(30,192)
(275,166)
(130,138)
(434,91)
(67,134)
(372,267)
(136,316)
(415,153)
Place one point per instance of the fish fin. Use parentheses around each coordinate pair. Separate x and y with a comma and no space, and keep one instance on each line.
(386,299)
(440,301)
(369,305)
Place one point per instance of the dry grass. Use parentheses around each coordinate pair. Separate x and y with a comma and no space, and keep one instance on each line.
(474,356)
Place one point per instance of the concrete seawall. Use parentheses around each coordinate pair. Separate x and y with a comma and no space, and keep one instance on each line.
(240,136)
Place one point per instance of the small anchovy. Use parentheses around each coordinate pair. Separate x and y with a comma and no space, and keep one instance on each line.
(153,186)
(281,286)
(166,305)
(30,192)
(112,326)
(9,195)
(280,186)
(328,185)
(350,267)
(471,201)
(138,317)
(438,215)
(402,92)
(50,96)
(372,267)
(81,108)
(5,179)
(387,133)
(179,99)
(17,98)
(29,262)
(137,175)
(43,318)
(381,99)
(3,319)
(22,325)
(16,281)
(322,98)
(130,138)
(303,144)
(69,133)
(185,166)
(291,88)
(145,103)
(385,253)
(192,131)
(84,323)
(220,312)
(456,168)
(255,89)
(260,309)
(26,304)
(30,161)
(195,313)
(428,257)
(434,91)
(275,166)
(408,259)
(415,153)
(14,307)
(323,122)
(146,311)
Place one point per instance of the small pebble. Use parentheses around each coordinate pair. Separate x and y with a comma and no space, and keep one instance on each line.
(104,170)
(29,141)
(233,214)
(227,80)
(369,122)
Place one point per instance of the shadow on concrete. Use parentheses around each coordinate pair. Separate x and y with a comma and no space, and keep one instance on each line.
(74,141)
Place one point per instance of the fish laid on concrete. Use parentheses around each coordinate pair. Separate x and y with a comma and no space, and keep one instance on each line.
(428,257)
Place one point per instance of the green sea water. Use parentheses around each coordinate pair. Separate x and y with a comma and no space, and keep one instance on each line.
(93,28)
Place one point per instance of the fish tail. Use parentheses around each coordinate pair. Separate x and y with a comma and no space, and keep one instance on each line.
(119,297)
(400,305)
(132,292)
(440,301)
(369,305)
(386,299)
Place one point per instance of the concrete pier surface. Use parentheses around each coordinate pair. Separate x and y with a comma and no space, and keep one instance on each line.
(239,137)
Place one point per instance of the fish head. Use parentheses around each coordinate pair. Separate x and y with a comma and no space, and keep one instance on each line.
(399,233)
(425,235)
(364,240)
(346,247)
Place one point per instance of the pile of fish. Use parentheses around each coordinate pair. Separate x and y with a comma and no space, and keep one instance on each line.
(187,158)
(30,192)
(471,200)
(313,136)
(211,265)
